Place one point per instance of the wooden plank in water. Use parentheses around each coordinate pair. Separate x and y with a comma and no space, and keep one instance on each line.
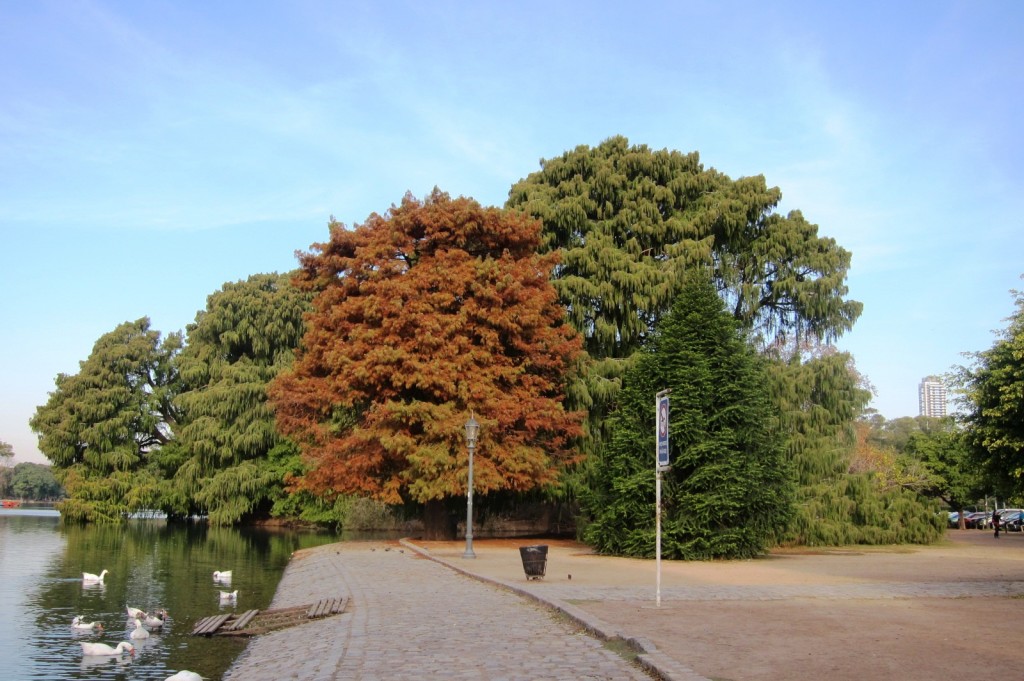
(202,625)
(242,620)
(208,625)
(253,622)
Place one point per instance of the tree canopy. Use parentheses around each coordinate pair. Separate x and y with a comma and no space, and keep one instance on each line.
(993,396)
(228,460)
(818,401)
(100,426)
(6,469)
(952,474)
(629,222)
(34,481)
(438,309)
(729,490)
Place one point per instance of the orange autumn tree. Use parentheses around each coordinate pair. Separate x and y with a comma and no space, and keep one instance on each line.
(435,310)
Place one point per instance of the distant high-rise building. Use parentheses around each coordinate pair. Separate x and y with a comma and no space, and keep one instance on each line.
(931,396)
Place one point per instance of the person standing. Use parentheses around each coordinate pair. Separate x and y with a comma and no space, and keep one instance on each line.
(995,522)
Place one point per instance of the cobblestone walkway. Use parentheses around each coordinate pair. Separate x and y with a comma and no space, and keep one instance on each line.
(412,618)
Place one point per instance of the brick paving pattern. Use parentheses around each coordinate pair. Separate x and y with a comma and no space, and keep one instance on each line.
(412,618)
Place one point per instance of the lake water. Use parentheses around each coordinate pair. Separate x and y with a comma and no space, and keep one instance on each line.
(151,565)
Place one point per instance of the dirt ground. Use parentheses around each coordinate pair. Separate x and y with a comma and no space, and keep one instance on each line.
(810,639)
(848,637)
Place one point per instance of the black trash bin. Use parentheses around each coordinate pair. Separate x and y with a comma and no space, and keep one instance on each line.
(535,560)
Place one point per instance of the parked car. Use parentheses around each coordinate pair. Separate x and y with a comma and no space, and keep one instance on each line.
(1010,519)
(976,520)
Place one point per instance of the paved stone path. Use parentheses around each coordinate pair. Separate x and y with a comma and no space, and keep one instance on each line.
(412,618)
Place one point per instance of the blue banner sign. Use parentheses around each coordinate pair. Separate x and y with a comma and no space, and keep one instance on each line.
(662,410)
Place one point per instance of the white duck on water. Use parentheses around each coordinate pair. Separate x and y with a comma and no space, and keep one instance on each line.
(104,649)
(222,577)
(90,578)
(184,675)
(228,596)
(156,620)
(139,632)
(78,622)
(134,613)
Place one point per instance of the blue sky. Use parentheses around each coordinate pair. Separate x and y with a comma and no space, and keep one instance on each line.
(152,151)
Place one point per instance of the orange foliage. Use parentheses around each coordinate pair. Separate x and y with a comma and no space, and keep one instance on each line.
(885,466)
(434,310)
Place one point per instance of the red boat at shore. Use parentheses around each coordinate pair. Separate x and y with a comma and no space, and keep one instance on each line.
(10,503)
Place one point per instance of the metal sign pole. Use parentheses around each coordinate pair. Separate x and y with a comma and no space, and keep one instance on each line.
(660,464)
(657,531)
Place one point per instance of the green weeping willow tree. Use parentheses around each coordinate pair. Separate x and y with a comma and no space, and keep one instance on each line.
(729,488)
(227,459)
(818,401)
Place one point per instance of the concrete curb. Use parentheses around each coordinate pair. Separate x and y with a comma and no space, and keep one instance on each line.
(649,657)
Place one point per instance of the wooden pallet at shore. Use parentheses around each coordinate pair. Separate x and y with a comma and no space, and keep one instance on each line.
(254,622)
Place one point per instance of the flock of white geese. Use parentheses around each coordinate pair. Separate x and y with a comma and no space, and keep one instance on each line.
(144,622)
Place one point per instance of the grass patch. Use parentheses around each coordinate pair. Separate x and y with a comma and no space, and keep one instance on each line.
(621,648)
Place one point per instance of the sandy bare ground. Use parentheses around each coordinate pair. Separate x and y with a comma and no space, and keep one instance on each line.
(847,639)
(951,611)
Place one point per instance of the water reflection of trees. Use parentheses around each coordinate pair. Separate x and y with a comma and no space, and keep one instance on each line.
(154,564)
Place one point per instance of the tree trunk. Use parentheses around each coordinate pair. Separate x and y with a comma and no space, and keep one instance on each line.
(439,522)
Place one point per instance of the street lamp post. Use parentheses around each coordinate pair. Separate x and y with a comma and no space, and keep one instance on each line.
(472,428)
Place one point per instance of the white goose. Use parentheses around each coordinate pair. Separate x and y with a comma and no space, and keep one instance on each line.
(104,649)
(184,675)
(78,622)
(228,596)
(156,620)
(222,577)
(90,578)
(139,631)
(134,613)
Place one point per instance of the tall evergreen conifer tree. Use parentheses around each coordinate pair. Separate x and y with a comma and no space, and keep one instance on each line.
(729,489)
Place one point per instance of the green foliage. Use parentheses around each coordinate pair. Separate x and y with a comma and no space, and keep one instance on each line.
(102,426)
(897,433)
(34,481)
(993,395)
(6,470)
(853,510)
(221,461)
(729,488)
(818,401)
(629,223)
(938,447)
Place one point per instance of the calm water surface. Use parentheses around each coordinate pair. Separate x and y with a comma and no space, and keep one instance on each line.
(151,565)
